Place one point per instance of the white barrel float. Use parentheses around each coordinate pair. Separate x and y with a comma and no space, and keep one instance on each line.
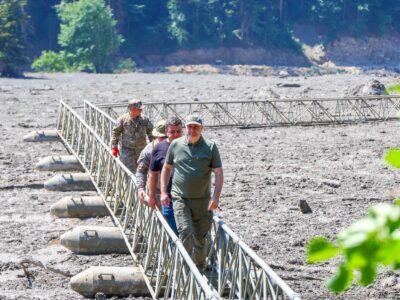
(49,135)
(112,281)
(70,182)
(94,240)
(79,207)
(59,163)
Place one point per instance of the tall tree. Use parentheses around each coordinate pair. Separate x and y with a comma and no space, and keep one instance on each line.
(43,26)
(12,37)
(88,33)
(146,27)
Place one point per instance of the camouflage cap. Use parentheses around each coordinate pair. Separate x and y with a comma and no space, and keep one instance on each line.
(135,103)
(193,119)
(159,129)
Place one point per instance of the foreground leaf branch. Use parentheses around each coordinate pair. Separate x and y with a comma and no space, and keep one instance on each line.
(365,245)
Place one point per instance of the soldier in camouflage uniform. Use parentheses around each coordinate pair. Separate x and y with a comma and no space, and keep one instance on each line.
(130,132)
(145,157)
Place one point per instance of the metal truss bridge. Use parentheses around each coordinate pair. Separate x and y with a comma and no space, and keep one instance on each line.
(234,270)
(274,112)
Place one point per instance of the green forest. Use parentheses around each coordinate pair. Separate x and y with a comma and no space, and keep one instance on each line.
(100,34)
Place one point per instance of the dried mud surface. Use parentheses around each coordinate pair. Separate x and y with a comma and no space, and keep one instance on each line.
(337,169)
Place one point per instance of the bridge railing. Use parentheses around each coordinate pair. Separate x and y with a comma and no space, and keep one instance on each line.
(169,271)
(274,112)
(242,274)
(237,270)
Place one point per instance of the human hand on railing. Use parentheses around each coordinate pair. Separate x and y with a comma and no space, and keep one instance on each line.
(213,204)
(141,196)
(165,200)
(115,151)
(152,202)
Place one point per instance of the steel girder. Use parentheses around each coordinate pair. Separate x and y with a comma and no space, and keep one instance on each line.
(274,112)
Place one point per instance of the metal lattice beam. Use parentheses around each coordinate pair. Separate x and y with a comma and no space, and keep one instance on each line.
(275,112)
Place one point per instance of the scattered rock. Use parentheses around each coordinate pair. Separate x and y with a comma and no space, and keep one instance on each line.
(267,93)
(389,282)
(299,243)
(371,88)
(288,85)
(13,99)
(304,207)
(295,261)
(24,125)
(283,74)
(4,89)
(331,183)
(306,90)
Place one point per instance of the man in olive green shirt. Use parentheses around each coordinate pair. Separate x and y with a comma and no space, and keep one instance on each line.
(192,159)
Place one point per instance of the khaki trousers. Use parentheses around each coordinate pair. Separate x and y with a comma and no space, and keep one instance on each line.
(193,221)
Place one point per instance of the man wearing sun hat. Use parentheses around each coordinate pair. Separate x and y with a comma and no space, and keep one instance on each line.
(174,131)
(130,132)
(193,159)
(143,162)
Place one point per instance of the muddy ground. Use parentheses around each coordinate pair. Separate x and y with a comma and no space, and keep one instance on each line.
(337,169)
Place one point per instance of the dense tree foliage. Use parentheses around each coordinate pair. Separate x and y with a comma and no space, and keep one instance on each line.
(163,26)
(12,37)
(159,26)
(88,34)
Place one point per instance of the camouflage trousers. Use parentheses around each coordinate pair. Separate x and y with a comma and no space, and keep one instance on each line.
(129,158)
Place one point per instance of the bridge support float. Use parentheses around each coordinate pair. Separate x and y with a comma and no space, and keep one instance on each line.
(59,163)
(50,135)
(94,240)
(70,182)
(79,207)
(112,281)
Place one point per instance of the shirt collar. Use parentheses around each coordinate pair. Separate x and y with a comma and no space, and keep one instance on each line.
(199,142)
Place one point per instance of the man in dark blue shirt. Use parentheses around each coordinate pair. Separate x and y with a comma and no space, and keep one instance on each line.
(173,131)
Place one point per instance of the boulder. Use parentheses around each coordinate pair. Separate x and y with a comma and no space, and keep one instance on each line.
(371,88)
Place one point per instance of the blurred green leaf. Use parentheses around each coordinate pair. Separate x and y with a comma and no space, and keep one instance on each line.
(342,280)
(357,233)
(320,249)
(356,258)
(372,241)
(393,89)
(389,253)
(393,157)
(368,273)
